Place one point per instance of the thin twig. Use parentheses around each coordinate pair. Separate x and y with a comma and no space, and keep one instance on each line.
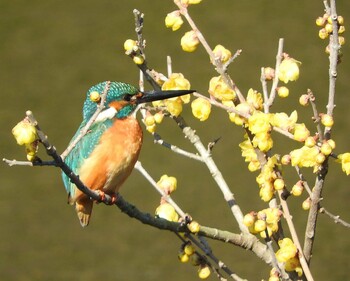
(158,140)
(288,218)
(221,68)
(317,190)
(279,57)
(86,128)
(336,218)
(316,116)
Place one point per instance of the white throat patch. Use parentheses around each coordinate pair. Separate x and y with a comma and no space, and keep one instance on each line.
(108,113)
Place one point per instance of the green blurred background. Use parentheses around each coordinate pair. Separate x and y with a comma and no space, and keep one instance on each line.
(51,52)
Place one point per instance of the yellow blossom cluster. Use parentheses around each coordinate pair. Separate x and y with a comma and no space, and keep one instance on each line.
(263,222)
(248,152)
(173,20)
(188,253)
(176,81)
(254,101)
(267,177)
(132,49)
(151,120)
(311,154)
(165,210)
(288,254)
(326,24)
(259,125)
(25,134)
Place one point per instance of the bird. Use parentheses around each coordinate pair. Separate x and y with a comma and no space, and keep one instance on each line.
(105,156)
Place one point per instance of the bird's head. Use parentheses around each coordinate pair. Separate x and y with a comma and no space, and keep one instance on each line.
(122,99)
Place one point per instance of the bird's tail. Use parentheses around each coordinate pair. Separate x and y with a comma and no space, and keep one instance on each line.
(83,207)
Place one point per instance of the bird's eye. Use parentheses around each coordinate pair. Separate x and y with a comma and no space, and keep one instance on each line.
(128,97)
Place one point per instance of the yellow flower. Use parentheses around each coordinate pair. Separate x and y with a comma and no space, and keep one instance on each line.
(190,41)
(24,133)
(301,133)
(201,109)
(174,107)
(176,81)
(266,192)
(248,151)
(167,184)
(220,90)
(166,211)
(221,53)
(249,219)
(289,70)
(244,108)
(185,98)
(293,264)
(305,156)
(129,45)
(345,162)
(174,20)
(287,250)
(204,271)
(259,122)
(283,92)
(283,121)
(254,98)
(263,141)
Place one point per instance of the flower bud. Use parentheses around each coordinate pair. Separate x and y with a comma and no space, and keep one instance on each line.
(167,211)
(138,59)
(259,225)
(193,226)
(326,149)
(189,41)
(221,53)
(249,219)
(174,20)
(129,45)
(167,184)
(183,257)
(201,109)
(320,21)
(304,100)
(323,34)
(283,92)
(189,249)
(269,73)
(24,133)
(297,189)
(289,70)
(306,204)
(204,272)
(278,184)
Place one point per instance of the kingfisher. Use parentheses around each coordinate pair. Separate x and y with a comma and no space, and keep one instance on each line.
(105,156)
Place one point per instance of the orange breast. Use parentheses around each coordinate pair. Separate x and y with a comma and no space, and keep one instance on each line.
(113,159)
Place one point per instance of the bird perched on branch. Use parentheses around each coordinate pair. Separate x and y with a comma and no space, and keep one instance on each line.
(105,156)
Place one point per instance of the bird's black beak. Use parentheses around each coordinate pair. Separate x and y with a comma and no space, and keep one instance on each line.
(160,95)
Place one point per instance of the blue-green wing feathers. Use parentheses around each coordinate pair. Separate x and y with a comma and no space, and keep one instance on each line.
(82,150)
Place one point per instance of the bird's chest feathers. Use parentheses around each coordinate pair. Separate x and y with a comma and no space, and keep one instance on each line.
(114,157)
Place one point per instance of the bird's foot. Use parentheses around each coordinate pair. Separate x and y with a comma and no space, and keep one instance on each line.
(103,198)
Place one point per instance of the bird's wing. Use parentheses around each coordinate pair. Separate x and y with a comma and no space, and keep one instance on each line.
(82,150)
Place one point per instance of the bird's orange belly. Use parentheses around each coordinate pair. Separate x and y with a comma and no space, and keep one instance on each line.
(113,159)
